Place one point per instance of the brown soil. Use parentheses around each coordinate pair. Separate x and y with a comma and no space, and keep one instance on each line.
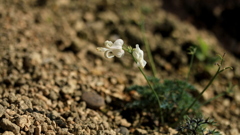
(53,80)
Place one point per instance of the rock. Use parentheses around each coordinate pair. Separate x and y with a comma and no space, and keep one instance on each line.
(50,132)
(23,106)
(12,98)
(61,123)
(113,80)
(10,112)
(172,131)
(109,16)
(5,103)
(106,125)
(123,131)
(32,60)
(27,101)
(140,132)
(125,123)
(226,102)
(88,16)
(44,127)
(2,110)
(38,117)
(77,45)
(234,131)
(1,90)
(79,25)
(67,89)
(62,131)
(7,81)
(92,126)
(53,95)
(8,133)
(93,99)
(21,121)
(6,124)
(21,81)
(37,130)
(237,95)
(61,2)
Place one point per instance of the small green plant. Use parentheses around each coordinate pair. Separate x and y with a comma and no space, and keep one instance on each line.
(146,10)
(196,126)
(203,53)
(174,96)
(203,49)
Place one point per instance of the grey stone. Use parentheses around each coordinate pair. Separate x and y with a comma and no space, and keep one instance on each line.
(93,99)
(123,131)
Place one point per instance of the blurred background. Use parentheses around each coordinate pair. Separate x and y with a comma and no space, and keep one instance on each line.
(218,16)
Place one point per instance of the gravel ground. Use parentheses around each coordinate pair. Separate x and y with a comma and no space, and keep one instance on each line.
(53,81)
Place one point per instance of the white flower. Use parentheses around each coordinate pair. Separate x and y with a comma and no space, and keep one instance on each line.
(112,49)
(139,56)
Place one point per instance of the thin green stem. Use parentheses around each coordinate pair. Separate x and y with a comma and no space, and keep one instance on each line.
(210,100)
(200,95)
(154,71)
(190,66)
(151,87)
(229,90)
(210,82)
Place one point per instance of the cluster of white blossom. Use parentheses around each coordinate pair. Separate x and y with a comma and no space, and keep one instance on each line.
(117,49)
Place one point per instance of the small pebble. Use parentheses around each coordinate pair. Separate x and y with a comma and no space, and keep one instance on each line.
(21,121)
(140,132)
(6,124)
(12,98)
(93,99)
(123,131)
(8,133)
(2,110)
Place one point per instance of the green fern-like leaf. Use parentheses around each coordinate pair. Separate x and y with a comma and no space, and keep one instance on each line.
(174,96)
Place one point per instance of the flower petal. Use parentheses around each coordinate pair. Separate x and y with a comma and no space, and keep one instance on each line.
(112,49)
(108,44)
(118,43)
(102,49)
(143,63)
(139,56)
(108,54)
(118,52)
(138,53)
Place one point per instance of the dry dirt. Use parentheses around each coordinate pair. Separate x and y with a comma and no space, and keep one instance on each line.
(53,81)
